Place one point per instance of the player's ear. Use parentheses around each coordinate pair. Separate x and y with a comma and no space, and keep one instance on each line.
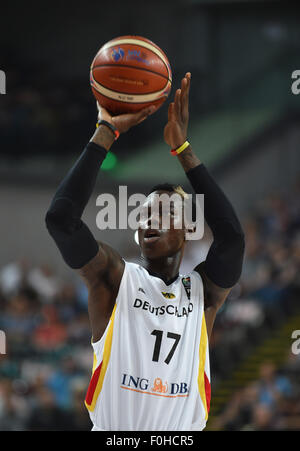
(189,228)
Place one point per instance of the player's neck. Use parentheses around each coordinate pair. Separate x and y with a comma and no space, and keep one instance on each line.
(166,268)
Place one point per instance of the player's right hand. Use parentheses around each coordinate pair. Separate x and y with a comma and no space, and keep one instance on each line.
(175,132)
(124,122)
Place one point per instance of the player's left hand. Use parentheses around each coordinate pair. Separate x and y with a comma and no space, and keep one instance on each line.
(175,132)
(123,122)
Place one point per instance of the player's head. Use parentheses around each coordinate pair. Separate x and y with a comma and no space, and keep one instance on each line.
(163,227)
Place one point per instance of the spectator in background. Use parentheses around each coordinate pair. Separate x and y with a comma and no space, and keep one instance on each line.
(51,333)
(20,318)
(239,410)
(272,387)
(13,276)
(79,421)
(60,382)
(46,415)
(262,419)
(13,408)
(45,283)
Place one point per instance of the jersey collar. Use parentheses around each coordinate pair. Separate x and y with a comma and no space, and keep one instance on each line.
(166,281)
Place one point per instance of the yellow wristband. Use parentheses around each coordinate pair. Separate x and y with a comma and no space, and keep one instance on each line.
(180,149)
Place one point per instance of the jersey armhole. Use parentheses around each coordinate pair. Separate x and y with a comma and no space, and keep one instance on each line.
(199,277)
(97,344)
(197,274)
(201,286)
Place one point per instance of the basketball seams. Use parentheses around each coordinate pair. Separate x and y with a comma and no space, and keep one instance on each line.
(125,101)
(169,76)
(130,93)
(132,67)
(113,95)
(139,43)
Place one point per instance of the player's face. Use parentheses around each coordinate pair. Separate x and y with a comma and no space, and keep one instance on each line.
(161,227)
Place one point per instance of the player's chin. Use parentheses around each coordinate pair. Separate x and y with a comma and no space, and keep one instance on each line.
(160,250)
(155,249)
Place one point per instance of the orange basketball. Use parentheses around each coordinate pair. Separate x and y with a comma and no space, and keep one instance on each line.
(130,73)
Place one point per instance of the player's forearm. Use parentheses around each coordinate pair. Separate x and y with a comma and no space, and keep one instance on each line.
(218,206)
(188,159)
(63,219)
(78,185)
(224,260)
(103,137)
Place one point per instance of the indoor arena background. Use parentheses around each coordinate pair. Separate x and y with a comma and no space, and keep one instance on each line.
(244,125)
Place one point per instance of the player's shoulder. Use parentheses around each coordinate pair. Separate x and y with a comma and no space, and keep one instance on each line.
(136,270)
(191,275)
(137,267)
(133,268)
(192,281)
(131,265)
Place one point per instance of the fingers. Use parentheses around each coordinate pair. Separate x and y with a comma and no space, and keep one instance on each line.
(99,110)
(180,107)
(185,84)
(103,113)
(150,110)
(171,112)
(143,114)
(177,104)
(146,112)
(185,88)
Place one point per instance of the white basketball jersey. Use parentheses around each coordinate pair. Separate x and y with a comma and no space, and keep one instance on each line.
(151,366)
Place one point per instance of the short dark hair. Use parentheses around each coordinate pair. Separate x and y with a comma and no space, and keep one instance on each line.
(172,188)
(163,187)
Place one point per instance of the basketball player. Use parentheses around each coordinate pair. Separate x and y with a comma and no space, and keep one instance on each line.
(150,325)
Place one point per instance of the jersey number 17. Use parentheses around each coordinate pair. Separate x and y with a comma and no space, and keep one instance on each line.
(159,335)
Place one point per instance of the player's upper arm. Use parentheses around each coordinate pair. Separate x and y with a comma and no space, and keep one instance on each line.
(100,266)
(102,275)
(106,267)
(214,297)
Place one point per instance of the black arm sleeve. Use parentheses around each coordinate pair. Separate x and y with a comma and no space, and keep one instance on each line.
(63,219)
(224,260)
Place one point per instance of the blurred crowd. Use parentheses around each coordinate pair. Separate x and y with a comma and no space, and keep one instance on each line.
(265,297)
(46,369)
(270,403)
(40,115)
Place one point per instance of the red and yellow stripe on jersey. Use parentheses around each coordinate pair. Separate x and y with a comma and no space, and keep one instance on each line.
(203,380)
(98,372)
